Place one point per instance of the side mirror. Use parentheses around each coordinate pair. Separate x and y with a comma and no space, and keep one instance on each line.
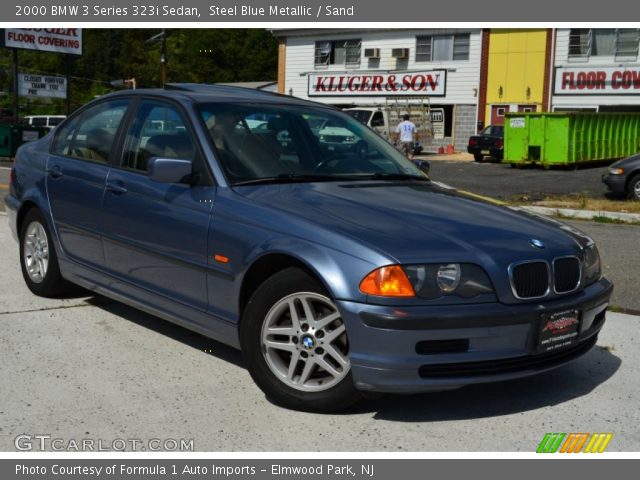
(169,170)
(423,165)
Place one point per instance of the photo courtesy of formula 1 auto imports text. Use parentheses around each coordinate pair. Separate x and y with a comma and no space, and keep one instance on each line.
(301,239)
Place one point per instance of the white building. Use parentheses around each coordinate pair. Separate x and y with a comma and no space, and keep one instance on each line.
(357,67)
(596,70)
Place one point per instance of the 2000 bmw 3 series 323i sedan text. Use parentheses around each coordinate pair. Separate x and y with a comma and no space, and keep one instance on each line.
(337,269)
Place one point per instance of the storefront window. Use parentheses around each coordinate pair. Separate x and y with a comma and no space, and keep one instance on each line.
(600,42)
(442,48)
(579,42)
(604,42)
(461,47)
(337,52)
(627,44)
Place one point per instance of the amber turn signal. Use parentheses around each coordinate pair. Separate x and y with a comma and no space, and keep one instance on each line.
(389,281)
(220,258)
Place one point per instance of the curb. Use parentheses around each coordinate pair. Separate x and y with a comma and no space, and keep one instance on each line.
(585,214)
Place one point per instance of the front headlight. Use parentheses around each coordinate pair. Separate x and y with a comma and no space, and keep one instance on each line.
(592,270)
(464,280)
(616,170)
(448,277)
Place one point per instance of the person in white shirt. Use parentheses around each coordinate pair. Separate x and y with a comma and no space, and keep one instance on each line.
(406,134)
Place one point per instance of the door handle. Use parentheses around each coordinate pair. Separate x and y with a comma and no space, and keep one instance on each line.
(116,188)
(54,172)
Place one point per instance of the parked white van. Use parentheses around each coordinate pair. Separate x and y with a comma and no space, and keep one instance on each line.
(47,121)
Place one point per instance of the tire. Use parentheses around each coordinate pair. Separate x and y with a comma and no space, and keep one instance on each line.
(38,254)
(305,385)
(633,190)
(478,157)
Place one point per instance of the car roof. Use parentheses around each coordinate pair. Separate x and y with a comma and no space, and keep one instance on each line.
(206,93)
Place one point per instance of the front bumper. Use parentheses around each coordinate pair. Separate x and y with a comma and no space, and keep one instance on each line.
(339,147)
(616,183)
(401,349)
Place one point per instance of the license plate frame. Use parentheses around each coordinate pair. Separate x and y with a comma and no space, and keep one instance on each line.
(484,152)
(558,330)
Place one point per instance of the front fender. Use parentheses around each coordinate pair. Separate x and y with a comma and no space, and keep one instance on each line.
(339,272)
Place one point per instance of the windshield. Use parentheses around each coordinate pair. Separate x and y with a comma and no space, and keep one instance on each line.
(255,142)
(494,131)
(361,115)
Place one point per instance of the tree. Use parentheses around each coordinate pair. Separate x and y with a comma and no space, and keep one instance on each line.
(194,55)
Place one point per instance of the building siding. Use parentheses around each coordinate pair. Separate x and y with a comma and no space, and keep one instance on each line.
(462,75)
(583,101)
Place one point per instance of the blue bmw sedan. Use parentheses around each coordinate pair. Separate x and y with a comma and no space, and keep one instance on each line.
(336,271)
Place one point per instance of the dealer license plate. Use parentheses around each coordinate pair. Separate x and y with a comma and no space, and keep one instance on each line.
(558,330)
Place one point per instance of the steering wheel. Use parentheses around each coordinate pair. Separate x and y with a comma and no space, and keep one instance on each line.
(362,150)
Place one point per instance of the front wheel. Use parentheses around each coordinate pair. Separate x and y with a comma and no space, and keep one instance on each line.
(295,344)
(634,188)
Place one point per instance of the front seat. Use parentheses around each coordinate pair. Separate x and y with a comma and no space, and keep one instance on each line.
(97,145)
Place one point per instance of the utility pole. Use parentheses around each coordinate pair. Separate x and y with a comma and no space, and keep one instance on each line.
(16,88)
(164,60)
(67,73)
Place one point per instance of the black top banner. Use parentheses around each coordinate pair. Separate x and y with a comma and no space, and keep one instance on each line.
(319,11)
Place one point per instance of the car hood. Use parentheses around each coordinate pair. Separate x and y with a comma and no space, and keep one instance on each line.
(343,132)
(420,221)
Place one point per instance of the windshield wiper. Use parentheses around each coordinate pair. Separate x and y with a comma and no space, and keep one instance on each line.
(310,177)
(396,176)
(292,178)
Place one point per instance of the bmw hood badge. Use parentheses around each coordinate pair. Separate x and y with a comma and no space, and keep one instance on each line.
(534,242)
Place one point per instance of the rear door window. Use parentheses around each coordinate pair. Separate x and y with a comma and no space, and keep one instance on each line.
(91,136)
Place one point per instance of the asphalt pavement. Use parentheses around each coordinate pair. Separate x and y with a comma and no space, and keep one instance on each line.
(503,182)
(90,368)
(619,247)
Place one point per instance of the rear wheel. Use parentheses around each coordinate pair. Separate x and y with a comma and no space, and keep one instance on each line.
(295,344)
(633,191)
(478,157)
(38,257)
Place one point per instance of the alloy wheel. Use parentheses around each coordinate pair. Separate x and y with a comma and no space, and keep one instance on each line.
(36,252)
(304,342)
